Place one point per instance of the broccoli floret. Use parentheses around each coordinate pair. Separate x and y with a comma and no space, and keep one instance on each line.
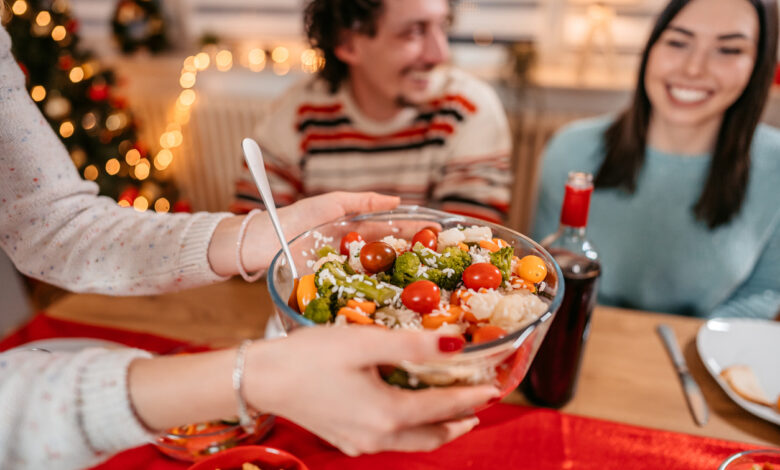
(448,268)
(427,256)
(318,310)
(333,274)
(502,259)
(325,251)
(405,269)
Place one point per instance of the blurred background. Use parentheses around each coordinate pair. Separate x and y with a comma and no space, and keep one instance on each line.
(153,97)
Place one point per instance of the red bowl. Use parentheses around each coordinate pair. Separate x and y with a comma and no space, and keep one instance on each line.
(266,458)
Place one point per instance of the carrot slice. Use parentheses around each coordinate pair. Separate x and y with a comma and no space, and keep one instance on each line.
(366,306)
(431,322)
(463,246)
(355,316)
(307,291)
(489,245)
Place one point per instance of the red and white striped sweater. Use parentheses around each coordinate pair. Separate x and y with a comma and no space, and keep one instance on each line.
(451,153)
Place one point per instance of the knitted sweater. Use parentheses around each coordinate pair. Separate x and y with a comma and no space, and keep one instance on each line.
(61,410)
(451,153)
(655,254)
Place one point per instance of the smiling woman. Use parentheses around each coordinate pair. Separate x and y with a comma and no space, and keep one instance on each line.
(685,208)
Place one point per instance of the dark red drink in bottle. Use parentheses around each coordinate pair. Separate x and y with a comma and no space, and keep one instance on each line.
(552,378)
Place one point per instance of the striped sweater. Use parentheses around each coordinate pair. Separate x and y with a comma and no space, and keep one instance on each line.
(451,153)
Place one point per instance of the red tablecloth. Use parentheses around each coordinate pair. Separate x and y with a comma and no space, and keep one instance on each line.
(508,436)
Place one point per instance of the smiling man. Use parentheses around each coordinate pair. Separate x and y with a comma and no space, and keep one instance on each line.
(386,113)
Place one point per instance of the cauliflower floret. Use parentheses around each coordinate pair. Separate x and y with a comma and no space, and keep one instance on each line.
(482,304)
(399,244)
(479,255)
(476,233)
(450,237)
(515,311)
(450,329)
(354,256)
(329,257)
(398,317)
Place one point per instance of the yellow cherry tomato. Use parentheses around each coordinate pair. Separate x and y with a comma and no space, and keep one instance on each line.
(307,291)
(532,269)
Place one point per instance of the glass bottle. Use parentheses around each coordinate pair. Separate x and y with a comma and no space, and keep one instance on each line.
(552,377)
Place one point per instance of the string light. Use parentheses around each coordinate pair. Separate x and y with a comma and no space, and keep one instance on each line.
(187,98)
(202,61)
(116,121)
(132,157)
(163,159)
(112,166)
(91,173)
(224,60)
(89,121)
(19,8)
(256,59)
(140,204)
(187,80)
(76,74)
(58,33)
(66,129)
(124,203)
(43,19)
(280,54)
(162,205)
(38,93)
(142,171)
(281,69)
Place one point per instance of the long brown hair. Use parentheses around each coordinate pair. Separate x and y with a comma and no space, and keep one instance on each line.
(726,185)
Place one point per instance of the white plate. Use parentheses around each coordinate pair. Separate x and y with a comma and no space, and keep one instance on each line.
(67,344)
(727,342)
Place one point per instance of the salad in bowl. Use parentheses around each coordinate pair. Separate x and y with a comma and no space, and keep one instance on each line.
(422,269)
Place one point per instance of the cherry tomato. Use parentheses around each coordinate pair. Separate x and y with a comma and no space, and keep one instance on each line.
(349,238)
(433,229)
(421,296)
(532,269)
(377,257)
(427,237)
(487,333)
(480,275)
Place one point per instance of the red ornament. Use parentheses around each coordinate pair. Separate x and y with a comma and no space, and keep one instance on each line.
(119,102)
(182,205)
(72,26)
(24,70)
(65,62)
(98,92)
(129,194)
(141,149)
(777,76)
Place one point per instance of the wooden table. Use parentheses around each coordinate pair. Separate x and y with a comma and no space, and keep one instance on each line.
(626,374)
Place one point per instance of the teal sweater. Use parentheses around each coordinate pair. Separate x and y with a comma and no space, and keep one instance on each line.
(655,254)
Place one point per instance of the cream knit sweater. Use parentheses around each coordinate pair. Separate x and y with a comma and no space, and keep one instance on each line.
(67,411)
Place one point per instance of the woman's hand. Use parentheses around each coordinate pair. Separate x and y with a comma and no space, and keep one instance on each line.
(260,243)
(326,380)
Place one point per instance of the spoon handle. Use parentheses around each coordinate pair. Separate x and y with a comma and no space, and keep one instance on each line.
(254,159)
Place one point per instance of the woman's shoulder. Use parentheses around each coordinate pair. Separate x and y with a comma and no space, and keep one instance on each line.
(580,141)
(765,151)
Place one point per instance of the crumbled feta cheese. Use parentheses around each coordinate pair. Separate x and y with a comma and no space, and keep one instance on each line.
(476,233)
(482,304)
(450,237)
(517,310)
(398,244)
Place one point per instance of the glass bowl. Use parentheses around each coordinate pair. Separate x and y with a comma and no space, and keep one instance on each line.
(194,442)
(759,459)
(503,361)
(261,456)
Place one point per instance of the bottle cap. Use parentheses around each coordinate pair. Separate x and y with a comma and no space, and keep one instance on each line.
(576,201)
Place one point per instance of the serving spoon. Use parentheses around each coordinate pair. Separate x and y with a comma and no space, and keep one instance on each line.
(254,160)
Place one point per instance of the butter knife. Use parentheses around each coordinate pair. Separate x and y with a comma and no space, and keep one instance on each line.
(693,395)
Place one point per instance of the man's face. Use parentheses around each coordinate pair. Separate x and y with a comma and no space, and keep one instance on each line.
(396,64)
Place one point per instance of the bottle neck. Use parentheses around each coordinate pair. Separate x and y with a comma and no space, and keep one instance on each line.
(571,232)
(576,204)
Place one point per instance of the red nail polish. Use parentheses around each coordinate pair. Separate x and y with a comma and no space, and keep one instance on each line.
(451,343)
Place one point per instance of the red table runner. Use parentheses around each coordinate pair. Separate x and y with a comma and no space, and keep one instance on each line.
(508,436)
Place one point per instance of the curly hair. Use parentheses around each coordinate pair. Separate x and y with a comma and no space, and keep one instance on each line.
(324,22)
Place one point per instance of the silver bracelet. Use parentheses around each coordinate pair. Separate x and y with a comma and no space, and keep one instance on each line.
(240,243)
(244,418)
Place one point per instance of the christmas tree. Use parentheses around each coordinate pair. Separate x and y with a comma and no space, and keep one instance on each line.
(75,94)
